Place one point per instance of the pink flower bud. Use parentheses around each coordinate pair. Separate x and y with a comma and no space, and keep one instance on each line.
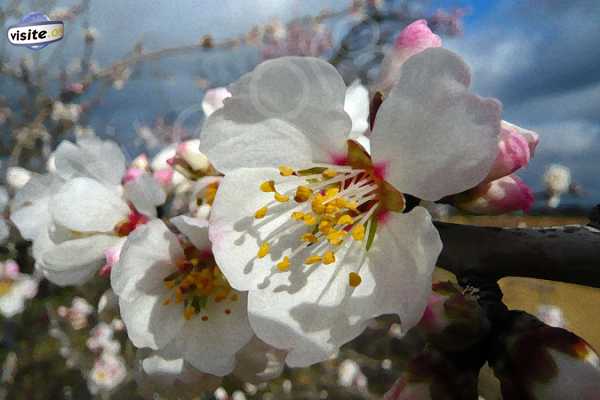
(515,149)
(164,177)
(189,151)
(141,162)
(112,255)
(413,39)
(501,196)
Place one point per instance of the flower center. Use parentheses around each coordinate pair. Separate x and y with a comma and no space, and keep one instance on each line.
(334,204)
(196,281)
(133,220)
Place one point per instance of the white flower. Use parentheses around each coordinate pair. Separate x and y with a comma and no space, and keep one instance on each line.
(172,293)
(322,244)
(77,314)
(109,371)
(101,339)
(83,210)
(15,289)
(557,180)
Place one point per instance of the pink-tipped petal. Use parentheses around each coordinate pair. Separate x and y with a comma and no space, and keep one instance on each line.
(515,149)
(412,40)
(132,174)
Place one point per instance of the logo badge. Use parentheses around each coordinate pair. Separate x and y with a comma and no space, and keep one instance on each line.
(35,31)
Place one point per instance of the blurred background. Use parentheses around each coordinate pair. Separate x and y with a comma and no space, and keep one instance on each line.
(136,72)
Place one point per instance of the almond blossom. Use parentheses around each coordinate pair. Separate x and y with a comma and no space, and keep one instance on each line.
(171,293)
(316,228)
(15,289)
(83,209)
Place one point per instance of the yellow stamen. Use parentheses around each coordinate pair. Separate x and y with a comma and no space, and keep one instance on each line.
(169,284)
(309,219)
(328,257)
(261,212)
(309,237)
(354,279)
(317,205)
(358,232)
(335,237)
(282,198)
(263,250)
(267,186)
(344,220)
(303,193)
(324,227)
(329,173)
(284,264)
(332,191)
(284,170)
(331,209)
(312,260)
(298,216)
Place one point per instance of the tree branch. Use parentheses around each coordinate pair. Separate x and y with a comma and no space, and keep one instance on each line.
(567,253)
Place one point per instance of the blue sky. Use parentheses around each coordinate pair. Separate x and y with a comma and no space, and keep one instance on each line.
(539,57)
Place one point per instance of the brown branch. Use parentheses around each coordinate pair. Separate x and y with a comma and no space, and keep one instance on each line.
(568,253)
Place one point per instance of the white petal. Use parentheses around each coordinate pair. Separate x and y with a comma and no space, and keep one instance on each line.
(145,194)
(11,304)
(287,111)
(195,229)
(435,137)
(166,373)
(85,205)
(305,310)
(91,157)
(401,262)
(236,235)
(211,345)
(75,261)
(29,209)
(258,362)
(148,256)
(149,322)
(357,107)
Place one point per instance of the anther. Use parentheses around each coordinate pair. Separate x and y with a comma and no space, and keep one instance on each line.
(284,264)
(263,250)
(354,279)
(267,186)
(261,212)
(284,170)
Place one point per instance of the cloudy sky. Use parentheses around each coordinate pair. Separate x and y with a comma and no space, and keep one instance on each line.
(541,58)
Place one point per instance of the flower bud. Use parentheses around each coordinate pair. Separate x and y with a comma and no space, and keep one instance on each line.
(536,361)
(501,196)
(516,147)
(132,174)
(452,320)
(189,151)
(213,99)
(413,39)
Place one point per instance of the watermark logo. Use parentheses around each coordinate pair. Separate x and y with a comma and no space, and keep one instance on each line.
(35,31)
